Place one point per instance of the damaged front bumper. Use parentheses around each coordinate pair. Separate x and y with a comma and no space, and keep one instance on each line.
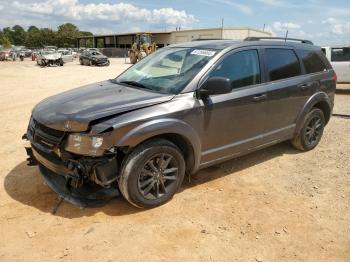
(83,181)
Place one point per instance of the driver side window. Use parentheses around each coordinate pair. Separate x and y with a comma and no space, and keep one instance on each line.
(242,68)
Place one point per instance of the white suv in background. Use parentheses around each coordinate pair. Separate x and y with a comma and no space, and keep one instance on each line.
(339,56)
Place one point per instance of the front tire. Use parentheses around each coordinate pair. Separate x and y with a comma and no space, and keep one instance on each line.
(152,173)
(311,131)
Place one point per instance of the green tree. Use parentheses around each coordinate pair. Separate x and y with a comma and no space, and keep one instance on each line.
(6,43)
(32,29)
(48,37)
(18,35)
(67,35)
(33,37)
(8,33)
(85,33)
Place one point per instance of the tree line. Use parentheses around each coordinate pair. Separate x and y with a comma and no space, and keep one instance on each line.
(65,36)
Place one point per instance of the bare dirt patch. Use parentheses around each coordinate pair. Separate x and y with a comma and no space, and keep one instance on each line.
(274,205)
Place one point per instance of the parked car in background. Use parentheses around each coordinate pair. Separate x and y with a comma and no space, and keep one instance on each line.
(49,58)
(67,55)
(185,107)
(339,56)
(5,55)
(93,57)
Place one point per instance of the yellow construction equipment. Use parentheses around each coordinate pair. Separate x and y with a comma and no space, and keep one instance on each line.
(142,47)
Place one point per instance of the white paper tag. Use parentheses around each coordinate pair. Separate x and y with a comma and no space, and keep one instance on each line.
(203,52)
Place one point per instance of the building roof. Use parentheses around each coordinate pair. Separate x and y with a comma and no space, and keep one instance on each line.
(170,32)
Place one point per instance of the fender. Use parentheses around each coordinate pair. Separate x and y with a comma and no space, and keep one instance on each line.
(163,126)
(310,103)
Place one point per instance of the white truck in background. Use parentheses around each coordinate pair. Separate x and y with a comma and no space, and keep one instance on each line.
(339,56)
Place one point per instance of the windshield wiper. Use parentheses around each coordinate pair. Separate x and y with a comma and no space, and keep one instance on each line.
(135,83)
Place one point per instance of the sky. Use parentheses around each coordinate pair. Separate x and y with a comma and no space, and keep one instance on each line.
(324,22)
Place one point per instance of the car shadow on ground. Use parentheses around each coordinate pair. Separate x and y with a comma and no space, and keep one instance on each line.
(25,185)
(343,91)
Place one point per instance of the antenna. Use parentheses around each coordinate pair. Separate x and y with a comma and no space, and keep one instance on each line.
(264,28)
(222,23)
(286,36)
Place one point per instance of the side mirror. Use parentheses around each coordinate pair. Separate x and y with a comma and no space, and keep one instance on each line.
(216,86)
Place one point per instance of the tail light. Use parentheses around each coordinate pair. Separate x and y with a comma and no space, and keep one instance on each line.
(335,78)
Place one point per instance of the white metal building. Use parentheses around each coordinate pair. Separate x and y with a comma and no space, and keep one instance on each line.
(118,44)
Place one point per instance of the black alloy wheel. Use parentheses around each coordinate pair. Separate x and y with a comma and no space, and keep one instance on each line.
(311,132)
(152,173)
(158,176)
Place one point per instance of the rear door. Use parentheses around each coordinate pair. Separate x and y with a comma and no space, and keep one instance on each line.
(340,60)
(287,91)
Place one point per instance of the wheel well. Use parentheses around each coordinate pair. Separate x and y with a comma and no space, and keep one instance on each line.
(183,144)
(325,109)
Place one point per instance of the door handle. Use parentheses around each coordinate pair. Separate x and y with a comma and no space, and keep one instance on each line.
(304,86)
(259,98)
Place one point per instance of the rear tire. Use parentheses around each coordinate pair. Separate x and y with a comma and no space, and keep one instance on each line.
(152,173)
(311,131)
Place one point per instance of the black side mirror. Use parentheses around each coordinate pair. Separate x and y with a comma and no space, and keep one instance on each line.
(216,86)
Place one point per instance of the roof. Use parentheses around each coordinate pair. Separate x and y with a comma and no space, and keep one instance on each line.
(222,44)
(180,31)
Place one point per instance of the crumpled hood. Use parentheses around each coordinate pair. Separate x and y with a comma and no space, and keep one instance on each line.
(75,109)
(54,56)
(99,56)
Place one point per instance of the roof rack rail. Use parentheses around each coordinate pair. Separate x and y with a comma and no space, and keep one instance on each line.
(257,38)
(206,39)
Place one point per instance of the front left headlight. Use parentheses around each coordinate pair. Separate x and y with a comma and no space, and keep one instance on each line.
(84,144)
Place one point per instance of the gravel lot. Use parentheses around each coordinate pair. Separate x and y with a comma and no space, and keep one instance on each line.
(274,205)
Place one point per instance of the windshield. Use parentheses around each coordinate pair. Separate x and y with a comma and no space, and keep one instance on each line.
(95,53)
(168,70)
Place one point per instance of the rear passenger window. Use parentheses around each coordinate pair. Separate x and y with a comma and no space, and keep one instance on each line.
(281,63)
(340,54)
(312,62)
(242,68)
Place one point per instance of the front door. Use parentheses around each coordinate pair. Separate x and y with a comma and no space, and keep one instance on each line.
(233,122)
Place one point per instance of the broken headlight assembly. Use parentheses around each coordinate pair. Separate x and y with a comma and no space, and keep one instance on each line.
(88,145)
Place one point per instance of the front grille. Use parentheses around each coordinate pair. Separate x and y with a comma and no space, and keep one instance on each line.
(43,135)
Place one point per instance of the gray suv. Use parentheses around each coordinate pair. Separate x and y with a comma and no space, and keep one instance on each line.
(185,107)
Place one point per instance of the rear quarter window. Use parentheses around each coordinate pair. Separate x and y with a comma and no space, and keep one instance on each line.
(312,61)
(281,63)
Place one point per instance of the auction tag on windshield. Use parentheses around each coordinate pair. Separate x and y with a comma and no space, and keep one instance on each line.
(203,52)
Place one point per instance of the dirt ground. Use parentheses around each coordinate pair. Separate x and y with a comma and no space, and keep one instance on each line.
(274,205)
